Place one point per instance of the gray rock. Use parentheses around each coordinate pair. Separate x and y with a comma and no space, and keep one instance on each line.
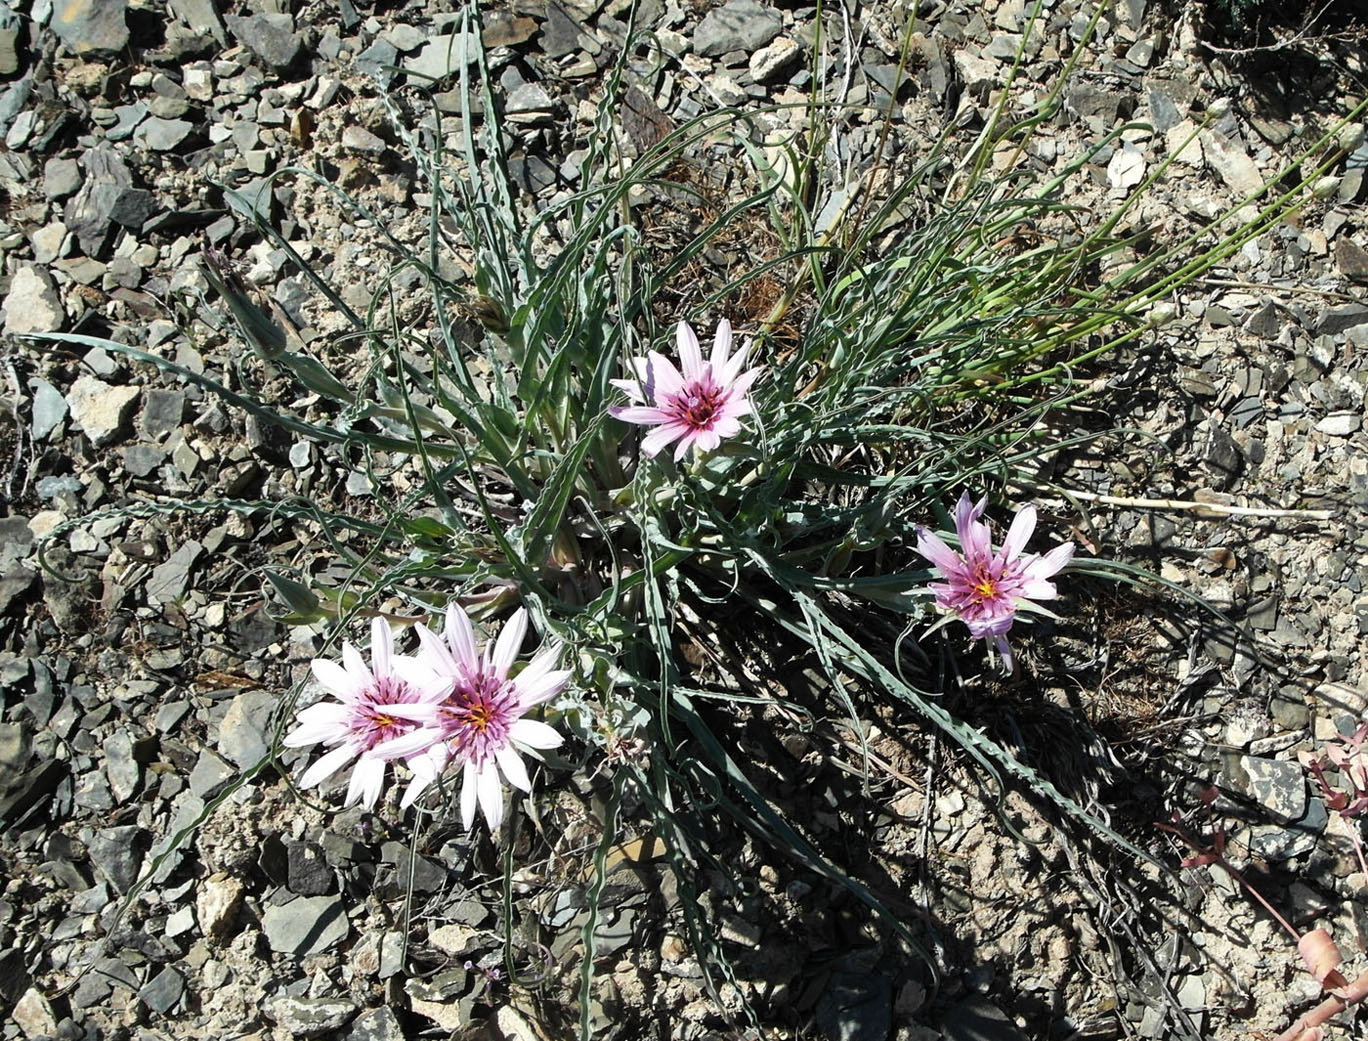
(308,870)
(32,1014)
(114,853)
(61,177)
(49,408)
(530,97)
(856,1007)
(107,198)
(32,305)
(1351,259)
(504,29)
(140,460)
(305,926)
(978,1019)
(1277,785)
(375,58)
(271,37)
(560,33)
(442,56)
(162,135)
(9,48)
(738,25)
(1276,842)
(209,775)
(244,736)
(404,37)
(163,991)
(1223,457)
(1089,100)
(1266,322)
(101,411)
(162,412)
(128,117)
(1341,319)
(91,28)
(122,769)
(170,580)
(311,1017)
(1164,113)
(359,139)
(379,1024)
(201,16)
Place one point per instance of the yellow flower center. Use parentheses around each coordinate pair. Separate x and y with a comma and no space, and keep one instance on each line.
(481,716)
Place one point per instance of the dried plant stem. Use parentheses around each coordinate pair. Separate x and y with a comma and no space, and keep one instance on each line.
(1212,508)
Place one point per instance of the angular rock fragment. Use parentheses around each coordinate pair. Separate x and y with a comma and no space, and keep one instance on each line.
(91,28)
(101,410)
(271,37)
(32,305)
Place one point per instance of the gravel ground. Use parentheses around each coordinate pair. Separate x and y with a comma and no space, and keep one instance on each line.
(140,673)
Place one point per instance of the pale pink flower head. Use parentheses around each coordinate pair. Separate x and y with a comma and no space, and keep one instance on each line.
(479,724)
(693,409)
(362,713)
(984,589)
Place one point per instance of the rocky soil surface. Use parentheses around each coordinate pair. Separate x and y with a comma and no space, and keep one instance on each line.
(142,670)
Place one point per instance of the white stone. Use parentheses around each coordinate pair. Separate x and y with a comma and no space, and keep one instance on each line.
(1180,149)
(34,1015)
(101,410)
(32,305)
(47,242)
(217,903)
(772,59)
(1127,167)
(1231,162)
(1340,424)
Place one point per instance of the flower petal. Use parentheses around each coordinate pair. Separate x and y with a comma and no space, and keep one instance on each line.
(632,388)
(510,642)
(491,795)
(460,637)
(336,679)
(1020,532)
(382,643)
(1004,650)
(414,743)
(512,766)
(325,721)
(722,340)
(328,764)
(533,734)
(935,550)
(356,667)
(436,653)
(665,378)
(690,355)
(660,437)
(1051,562)
(367,780)
(469,794)
(644,414)
(541,688)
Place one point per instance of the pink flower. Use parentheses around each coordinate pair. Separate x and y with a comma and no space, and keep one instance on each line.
(984,589)
(363,714)
(698,408)
(478,723)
